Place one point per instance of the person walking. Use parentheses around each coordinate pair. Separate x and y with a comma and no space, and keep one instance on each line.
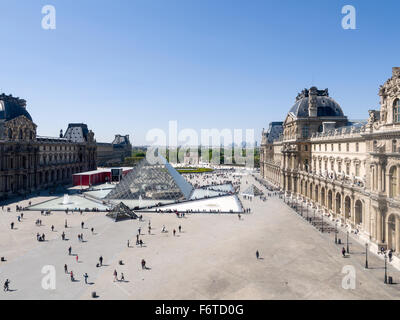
(12,225)
(344,252)
(85,276)
(122,277)
(82,224)
(7,285)
(69,250)
(92,230)
(174,232)
(101,261)
(66,224)
(257,255)
(143,264)
(128,244)
(180,228)
(72,276)
(52,228)
(115,275)
(77,259)
(63,236)
(65,268)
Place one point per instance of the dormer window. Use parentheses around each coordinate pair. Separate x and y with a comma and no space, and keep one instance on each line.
(396,111)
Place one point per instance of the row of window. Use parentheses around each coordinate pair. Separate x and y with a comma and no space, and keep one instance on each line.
(340,167)
(339,147)
(58,148)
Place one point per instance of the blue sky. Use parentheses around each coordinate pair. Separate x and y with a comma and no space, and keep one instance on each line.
(127,66)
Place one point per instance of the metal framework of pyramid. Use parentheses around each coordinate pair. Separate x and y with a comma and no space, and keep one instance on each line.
(121,212)
(252,191)
(148,181)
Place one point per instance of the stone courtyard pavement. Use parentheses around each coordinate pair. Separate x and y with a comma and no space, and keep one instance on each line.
(213,257)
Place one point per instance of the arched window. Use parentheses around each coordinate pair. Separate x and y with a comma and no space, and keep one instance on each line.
(393,182)
(396,111)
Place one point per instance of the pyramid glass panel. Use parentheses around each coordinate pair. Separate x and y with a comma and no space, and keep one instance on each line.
(149,181)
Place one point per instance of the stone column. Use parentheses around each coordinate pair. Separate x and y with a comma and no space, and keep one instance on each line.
(398,184)
(379,175)
(378,226)
(397,233)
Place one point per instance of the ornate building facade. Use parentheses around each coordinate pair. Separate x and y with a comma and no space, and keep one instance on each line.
(29,162)
(114,153)
(349,171)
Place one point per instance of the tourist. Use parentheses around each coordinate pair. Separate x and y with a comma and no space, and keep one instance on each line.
(52,228)
(7,285)
(65,268)
(63,236)
(390,255)
(69,250)
(257,254)
(101,261)
(180,228)
(72,276)
(122,277)
(174,232)
(92,230)
(66,224)
(141,243)
(115,275)
(82,224)
(143,264)
(128,243)
(86,277)
(344,252)
(77,259)
(12,225)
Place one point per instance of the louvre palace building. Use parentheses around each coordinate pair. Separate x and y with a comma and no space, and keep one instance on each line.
(29,162)
(349,171)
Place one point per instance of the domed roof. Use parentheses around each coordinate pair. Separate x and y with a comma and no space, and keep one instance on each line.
(326,106)
(11,107)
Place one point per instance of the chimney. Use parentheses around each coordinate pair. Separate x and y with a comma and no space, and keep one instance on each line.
(312,102)
(396,72)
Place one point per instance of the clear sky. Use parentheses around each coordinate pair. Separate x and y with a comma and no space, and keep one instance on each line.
(127,66)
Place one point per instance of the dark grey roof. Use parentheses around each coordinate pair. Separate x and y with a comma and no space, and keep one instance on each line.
(77,132)
(275,129)
(326,106)
(11,107)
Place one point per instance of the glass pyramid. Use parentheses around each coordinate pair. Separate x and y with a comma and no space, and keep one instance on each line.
(252,191)
(121,212)
(148,181)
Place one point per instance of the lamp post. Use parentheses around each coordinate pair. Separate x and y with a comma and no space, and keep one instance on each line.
(347,242)
(322,215)
(301,208)
(366,255)
(385,281)
(314,218)
(335,232)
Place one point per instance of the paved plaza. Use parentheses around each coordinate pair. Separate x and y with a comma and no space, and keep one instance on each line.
(212,258)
